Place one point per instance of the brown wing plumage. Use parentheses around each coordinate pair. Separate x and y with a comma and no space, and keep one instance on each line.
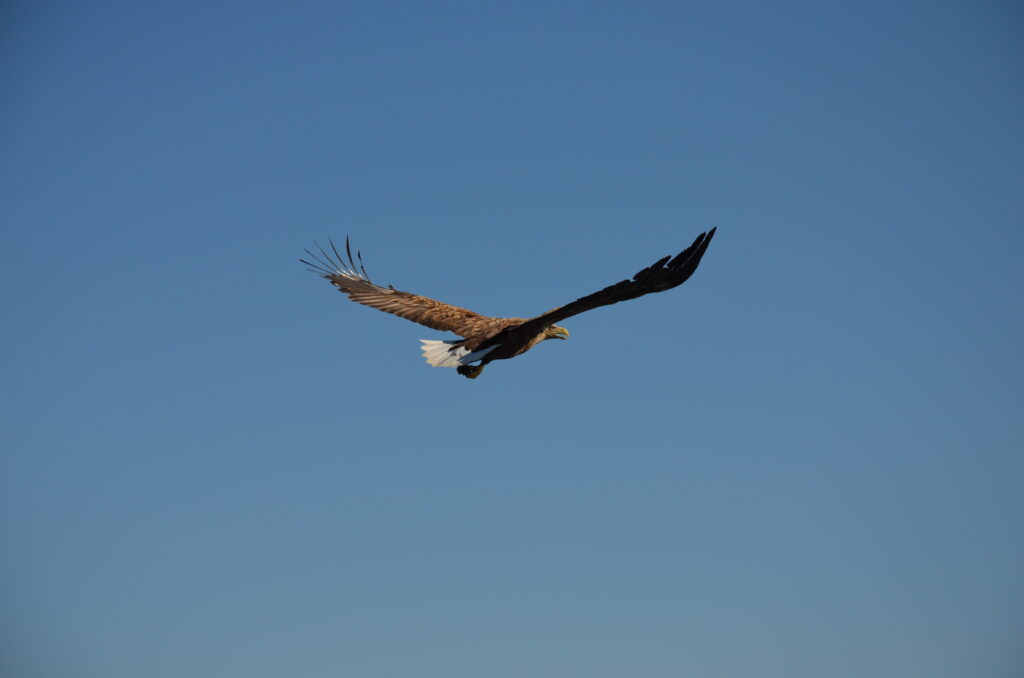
(353,281)
(662,275)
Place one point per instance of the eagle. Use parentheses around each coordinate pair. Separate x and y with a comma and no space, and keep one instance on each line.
(484,338)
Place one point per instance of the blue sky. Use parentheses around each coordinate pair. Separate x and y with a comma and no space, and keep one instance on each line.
(806,461)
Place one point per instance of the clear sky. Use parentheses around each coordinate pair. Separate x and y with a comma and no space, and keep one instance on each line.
(807,461)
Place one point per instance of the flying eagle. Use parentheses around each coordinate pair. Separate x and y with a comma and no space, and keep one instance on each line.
(486,339)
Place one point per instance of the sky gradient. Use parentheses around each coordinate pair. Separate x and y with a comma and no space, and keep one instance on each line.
(806,461)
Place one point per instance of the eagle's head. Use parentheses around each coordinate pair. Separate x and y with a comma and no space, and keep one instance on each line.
(556,332)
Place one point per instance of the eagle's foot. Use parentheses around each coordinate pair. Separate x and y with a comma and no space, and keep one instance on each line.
(470,371)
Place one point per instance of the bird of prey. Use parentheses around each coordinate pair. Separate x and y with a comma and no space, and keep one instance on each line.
(486,339)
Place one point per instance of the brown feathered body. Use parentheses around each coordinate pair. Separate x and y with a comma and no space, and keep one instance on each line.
(476,329)
(484,338)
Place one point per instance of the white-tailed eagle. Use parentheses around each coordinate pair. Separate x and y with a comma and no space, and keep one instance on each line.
(486,339)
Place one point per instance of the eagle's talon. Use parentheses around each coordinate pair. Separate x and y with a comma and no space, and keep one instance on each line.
(470,371)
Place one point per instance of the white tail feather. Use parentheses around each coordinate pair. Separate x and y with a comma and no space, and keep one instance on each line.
(441,354)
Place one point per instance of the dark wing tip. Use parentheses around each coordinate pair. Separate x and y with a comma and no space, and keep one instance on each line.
(316,268)
(694,252)
(327,265)
(324,267)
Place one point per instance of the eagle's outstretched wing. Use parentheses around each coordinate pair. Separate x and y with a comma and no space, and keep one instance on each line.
(353,281)
(660,276)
